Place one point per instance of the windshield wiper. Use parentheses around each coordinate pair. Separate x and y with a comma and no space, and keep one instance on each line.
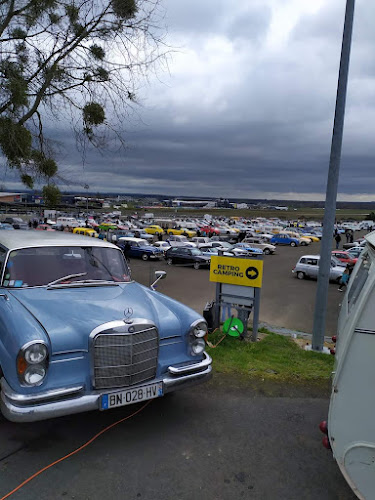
(68,277)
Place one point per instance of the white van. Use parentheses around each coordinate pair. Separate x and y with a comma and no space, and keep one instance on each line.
(67,222)
(351,419)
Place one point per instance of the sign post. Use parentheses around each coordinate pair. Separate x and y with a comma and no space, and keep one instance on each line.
(238,284)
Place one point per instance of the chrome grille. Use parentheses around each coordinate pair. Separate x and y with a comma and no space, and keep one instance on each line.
(125,359)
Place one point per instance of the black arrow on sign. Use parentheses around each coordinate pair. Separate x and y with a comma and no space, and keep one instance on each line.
(252,273)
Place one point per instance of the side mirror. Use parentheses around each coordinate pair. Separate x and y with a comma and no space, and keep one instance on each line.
(159,275)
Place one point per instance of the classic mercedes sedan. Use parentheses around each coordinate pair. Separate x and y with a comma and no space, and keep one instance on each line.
(78,334)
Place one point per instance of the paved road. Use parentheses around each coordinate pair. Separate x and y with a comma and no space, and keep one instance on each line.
(215,441)
(285,300)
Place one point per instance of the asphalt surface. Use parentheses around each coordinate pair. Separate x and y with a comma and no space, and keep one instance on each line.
(285,300)
(215,441)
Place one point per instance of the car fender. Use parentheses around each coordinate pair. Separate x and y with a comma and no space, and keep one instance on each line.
(18,327)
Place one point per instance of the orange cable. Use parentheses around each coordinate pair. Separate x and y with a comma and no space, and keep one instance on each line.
(73,452)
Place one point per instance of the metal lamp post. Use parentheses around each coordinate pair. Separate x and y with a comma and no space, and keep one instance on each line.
(332,182)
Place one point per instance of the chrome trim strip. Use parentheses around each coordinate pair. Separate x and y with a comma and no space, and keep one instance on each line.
(57,353)
(39,397)
(66,359)
(107,326)
(172,343)
(178,370)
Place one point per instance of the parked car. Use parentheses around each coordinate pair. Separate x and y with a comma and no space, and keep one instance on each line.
(79,334)
(139,248)
(209,230)
(360,242)
(266,248)
(284,239)
(85,231)
(162,245)
(16,222)
(44,227)
(200,240)
(154,229)
(224,246)
(248,248)
(180,241)
(187,256)
(66,221)
(344,257)
(181,231)
(302,240)
(354,251)
(6,227)
(308,267)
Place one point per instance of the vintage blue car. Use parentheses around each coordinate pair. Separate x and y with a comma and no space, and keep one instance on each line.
(78,334)
(138,247)
(284,239)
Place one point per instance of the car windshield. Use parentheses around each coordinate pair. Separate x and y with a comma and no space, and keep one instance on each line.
(195,251)
(43,265)
(143,242)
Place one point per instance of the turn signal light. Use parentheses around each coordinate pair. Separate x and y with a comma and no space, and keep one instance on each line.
(326,443)
(323,427)
(21,365)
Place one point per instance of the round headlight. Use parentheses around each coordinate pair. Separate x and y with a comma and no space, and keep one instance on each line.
(35,353)
(200,329)
(34,374)
(197,346)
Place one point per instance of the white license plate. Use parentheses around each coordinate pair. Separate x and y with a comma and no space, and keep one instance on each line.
(130,396)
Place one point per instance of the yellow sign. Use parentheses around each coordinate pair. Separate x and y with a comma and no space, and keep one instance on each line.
(245,272)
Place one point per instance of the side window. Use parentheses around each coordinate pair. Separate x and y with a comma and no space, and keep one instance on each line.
(358,282)
(302,261)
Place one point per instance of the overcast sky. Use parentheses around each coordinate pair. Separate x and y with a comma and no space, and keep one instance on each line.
(246,109)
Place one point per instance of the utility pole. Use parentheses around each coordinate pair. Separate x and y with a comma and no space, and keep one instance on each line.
(332,182)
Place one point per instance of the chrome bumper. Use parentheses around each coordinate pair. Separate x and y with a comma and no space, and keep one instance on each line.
(66,401)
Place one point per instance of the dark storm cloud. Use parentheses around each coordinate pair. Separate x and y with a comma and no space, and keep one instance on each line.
(248,108)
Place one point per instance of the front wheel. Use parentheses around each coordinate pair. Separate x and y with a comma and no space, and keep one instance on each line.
(266,251)
(144,256)
(196,265)
(169,262)
(300,275)
(292,244)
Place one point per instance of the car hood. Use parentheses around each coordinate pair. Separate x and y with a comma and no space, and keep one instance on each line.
(68,315)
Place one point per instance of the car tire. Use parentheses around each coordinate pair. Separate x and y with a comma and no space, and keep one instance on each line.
(303,243)
(300,275)
(196,265)
(144,256)
(266,251)
(292,243)
(169,262)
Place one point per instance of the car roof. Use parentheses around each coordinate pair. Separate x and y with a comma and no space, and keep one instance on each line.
(26,239)
(310,257)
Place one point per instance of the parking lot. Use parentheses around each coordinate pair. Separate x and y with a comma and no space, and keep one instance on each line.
(222,440)
(285,301)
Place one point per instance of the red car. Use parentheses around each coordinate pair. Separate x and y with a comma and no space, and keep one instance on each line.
(344,257)
(209,230)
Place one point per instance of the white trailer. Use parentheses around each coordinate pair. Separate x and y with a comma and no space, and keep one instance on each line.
(351,421)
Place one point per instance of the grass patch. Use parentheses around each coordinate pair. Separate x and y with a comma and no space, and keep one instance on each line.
(275,357)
